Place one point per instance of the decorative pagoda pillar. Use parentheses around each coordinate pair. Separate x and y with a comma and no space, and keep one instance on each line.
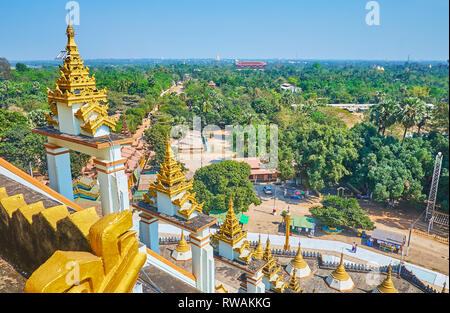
(287,220)
(113,185)
(255,284)
(59,173)
(203,266)
(148,232)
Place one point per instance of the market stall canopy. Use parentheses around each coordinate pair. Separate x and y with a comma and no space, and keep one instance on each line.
(221,215)
(388,236)
(302,221)
(243,219)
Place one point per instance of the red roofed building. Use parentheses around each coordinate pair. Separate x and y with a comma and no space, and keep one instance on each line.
(258,171)
(134,164)
(255,65)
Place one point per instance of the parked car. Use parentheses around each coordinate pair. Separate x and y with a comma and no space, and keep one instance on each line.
(267,190)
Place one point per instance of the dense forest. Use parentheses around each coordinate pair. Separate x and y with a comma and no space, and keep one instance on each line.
(388,153)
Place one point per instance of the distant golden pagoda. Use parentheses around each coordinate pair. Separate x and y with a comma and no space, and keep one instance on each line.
(230,231)
(272,267)
(339,278)
(171,181)
(387,286)
(76,87)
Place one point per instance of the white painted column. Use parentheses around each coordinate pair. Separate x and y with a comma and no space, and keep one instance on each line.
(255,284)
(59,174)
(203,266)
(148,232)
(113,185)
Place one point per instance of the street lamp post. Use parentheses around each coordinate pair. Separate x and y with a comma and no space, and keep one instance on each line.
(274,200)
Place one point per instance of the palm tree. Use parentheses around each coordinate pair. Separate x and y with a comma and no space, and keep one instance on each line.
(409,113)
(424,117)
(384,114)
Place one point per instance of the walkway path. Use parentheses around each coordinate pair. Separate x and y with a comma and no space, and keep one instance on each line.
(429,276)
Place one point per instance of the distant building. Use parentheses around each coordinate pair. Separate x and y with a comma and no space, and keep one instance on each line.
(212,84)
(290,87)
(255,65)
(258,171)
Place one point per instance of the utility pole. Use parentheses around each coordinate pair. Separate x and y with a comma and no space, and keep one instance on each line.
(274,200)
(409,239)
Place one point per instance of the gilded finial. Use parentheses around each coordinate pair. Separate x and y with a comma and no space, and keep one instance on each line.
(444,290)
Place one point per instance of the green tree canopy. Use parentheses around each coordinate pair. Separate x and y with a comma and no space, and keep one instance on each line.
(341,212)
(216,183)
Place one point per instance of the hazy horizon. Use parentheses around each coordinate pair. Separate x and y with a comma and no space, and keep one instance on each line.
(201,29)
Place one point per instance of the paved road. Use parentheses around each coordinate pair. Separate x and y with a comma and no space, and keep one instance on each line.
(424,274)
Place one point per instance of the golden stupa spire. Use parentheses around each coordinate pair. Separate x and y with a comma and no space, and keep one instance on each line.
(71,46)
(267,251)
(259,252)
(387,286)
(444,290)
(171,179)
(293,283)
(182,245)
(271,267)
(298,261)
(231,231)
(340,273)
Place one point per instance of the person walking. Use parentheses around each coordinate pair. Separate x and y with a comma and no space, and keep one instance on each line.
(353,247)
(356,246)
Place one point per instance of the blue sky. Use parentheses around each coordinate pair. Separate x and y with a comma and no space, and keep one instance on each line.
(304,29)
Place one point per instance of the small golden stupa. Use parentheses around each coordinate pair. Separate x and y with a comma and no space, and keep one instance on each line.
(339,278)
(258,252)
(387,286)
(183,250)
(299,265)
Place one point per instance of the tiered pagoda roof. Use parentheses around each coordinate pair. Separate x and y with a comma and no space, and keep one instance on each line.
(171,180)
(272,267)
(230,231)
(293,283)
(76,86)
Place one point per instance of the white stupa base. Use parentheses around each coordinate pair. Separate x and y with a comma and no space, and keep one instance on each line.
(181,256)
(340,285)
(301,273)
